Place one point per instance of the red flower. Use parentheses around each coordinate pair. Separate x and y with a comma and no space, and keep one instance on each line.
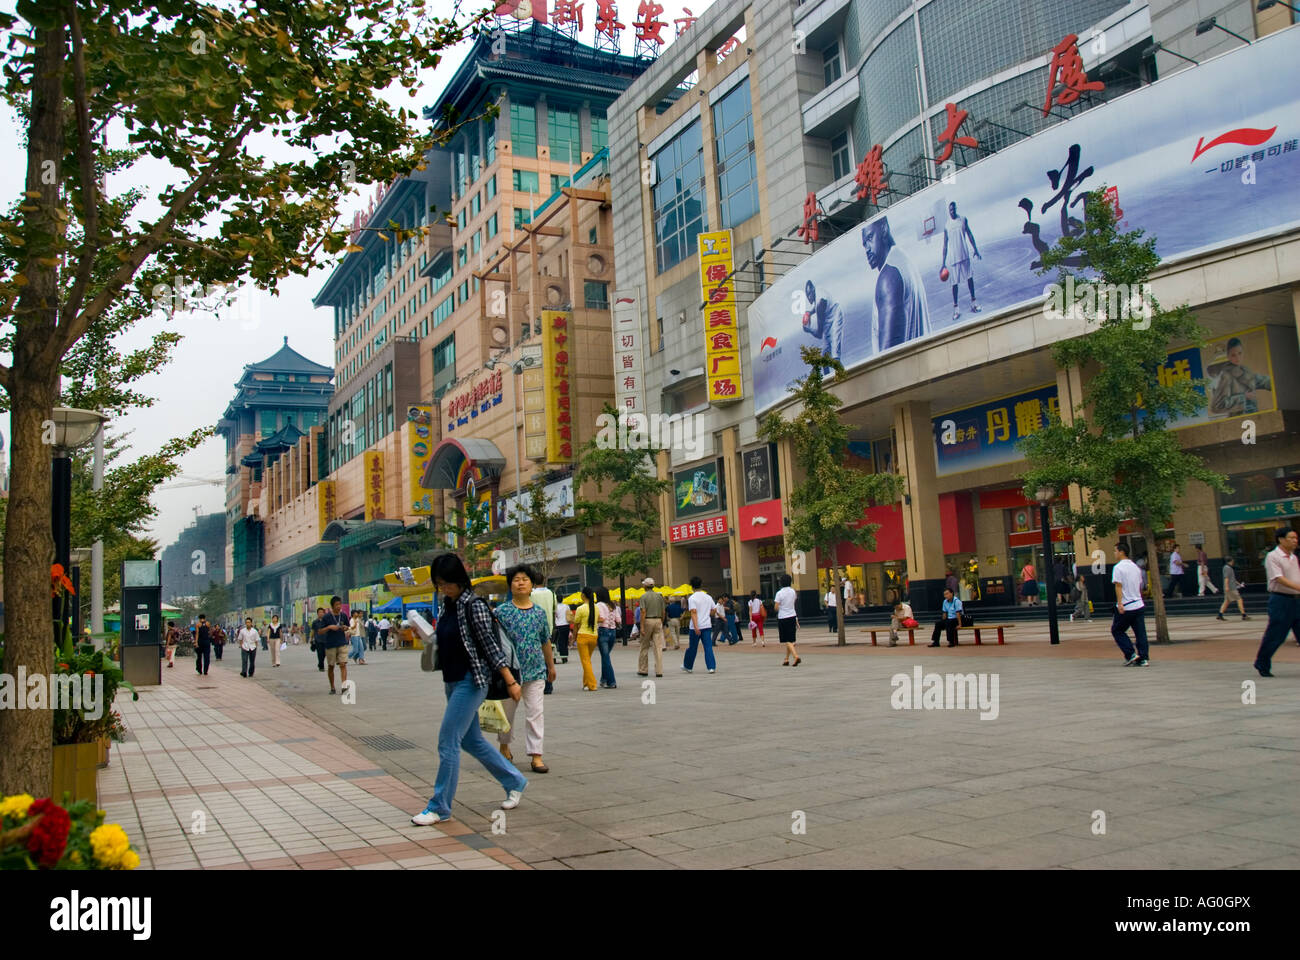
(59,579)
(90,673)
(49,837)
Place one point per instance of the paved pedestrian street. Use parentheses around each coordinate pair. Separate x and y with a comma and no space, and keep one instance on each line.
(1087,764)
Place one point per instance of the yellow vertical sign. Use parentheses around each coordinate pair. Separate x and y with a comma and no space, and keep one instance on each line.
(557,346)
(374,481)
(419,448)
(324,506)
(721,330)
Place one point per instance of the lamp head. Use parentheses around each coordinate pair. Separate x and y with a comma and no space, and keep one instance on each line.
(1206,25)
(1045,495)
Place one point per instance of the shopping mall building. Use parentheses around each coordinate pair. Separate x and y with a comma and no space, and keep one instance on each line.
(878,178)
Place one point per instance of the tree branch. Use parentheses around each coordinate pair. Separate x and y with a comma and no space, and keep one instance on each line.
(4,377)
(86,165)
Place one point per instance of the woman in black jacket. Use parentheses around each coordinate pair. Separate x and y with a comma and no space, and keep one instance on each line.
(468,654)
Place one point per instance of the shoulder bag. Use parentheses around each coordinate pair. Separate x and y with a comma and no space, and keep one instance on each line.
(498,688)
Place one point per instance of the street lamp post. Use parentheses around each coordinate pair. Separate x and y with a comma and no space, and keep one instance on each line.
(73,428)
(1045,497)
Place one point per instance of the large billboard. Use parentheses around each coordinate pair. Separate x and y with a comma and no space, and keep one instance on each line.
(1204,159)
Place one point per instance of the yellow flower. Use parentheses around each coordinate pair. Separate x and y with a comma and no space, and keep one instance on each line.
(110,845)
(16,806)
(75,856)
(130,860)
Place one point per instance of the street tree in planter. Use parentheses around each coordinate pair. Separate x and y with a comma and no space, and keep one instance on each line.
(628,488)
(1119,448)
(188,87)
(474,536)
(826,509)
(541,523)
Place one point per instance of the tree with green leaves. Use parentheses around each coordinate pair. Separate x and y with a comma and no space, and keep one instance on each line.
(193,90)
(540,523)
(827,507)
(1119,449)
(628,490)
(474,535)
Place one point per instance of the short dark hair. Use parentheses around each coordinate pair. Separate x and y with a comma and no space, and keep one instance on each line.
(1232,342)
(1281,533)
(1121,548)
(448,568)
(523,568)
(785,580)
(320,609)
(335,599)
(203,616)
(948,590)
(696,582)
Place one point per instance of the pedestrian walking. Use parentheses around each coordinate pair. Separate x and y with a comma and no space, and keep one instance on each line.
(357,632)
(372,632)
(218,640)
(949,620)
(545,599)
(173,638)
(317,640)
(274,632)
(247,639)
(703,608)
(1203,579)
(334,628)
(608,620)
(1231,591)
(787,620)
(901,616)
(1129,609)
(528,625)
(1282,571)
(469,653)
(850,601)
(757,615)
(673,628)
(560,635)
(728,606)
(385,626)
(262,633)
(652,609)
(1079,594)
(1029,585)
(202,646)
(1175,574)
(831,620)
(584,629)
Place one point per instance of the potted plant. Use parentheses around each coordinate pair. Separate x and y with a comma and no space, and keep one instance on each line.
(42,835)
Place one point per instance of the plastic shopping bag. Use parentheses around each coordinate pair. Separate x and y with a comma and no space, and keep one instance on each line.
(492,717)
(284,645)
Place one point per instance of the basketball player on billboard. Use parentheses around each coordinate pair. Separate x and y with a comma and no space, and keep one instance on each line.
(955,234)
(900,295)
(824,319)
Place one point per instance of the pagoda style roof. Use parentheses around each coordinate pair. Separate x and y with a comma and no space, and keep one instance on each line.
(288,360)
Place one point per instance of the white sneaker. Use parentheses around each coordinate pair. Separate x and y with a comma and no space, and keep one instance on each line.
(512,799)
(713,671)
(427,817)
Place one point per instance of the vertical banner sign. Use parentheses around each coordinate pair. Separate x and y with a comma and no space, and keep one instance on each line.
(534,387)
(324,506)
(374,480)
(629,366)
(721,331)
(419,449)
(557,341)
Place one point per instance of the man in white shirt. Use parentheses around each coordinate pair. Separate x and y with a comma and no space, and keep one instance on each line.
(1175,573)
(247,639)
(1282,570)
(702,608)
(849,605)
(1129,609)
(787,620)
(384,626)
(832,623)
(545,598)
(560,638)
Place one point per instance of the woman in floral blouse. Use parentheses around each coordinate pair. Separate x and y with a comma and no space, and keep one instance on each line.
(529,629)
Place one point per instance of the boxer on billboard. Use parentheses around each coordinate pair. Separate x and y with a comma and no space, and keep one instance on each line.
(900,294)
(955,234)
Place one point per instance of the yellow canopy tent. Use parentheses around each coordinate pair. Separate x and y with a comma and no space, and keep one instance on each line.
(683,591)
(634,593)
(572,598)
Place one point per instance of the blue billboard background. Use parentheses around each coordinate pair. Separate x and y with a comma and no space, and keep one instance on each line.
(1144,144)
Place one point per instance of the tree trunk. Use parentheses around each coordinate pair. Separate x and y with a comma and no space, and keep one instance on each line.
(840,641)
(1157,588)
(27,759)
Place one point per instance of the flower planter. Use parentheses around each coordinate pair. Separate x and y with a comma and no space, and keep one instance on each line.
(75,768)
(104,744)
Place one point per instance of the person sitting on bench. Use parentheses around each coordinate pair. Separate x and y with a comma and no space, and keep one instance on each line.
(951,611)
(902,611)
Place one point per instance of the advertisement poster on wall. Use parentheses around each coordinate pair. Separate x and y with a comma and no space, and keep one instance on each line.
(419,447)
(757,467)
(1199,160)
(698,490)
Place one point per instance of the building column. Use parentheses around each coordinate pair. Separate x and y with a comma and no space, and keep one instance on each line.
(1069,393)
(742,572)
(803,574)
(664,471)
(922,531)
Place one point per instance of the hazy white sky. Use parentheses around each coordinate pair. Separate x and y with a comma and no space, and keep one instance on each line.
(194,389)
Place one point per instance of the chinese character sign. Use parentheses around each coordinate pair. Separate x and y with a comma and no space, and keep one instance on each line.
(557,345)
(629,364)
(697,528)
(1066,73)
(721,330)
(324,507)
(986,435)
(950,138)
(373,472)
(418,440)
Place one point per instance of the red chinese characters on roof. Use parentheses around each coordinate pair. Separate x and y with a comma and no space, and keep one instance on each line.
(870,177)
(607,19)
(949,137)
(649,28)
(808,231)
(565,12)
(1066,70)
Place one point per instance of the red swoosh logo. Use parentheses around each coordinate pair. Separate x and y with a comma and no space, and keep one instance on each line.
(1247,136)
(625,300)
(767,342)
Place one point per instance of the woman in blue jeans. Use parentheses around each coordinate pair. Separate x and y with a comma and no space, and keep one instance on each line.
(607,615)
(468,654)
